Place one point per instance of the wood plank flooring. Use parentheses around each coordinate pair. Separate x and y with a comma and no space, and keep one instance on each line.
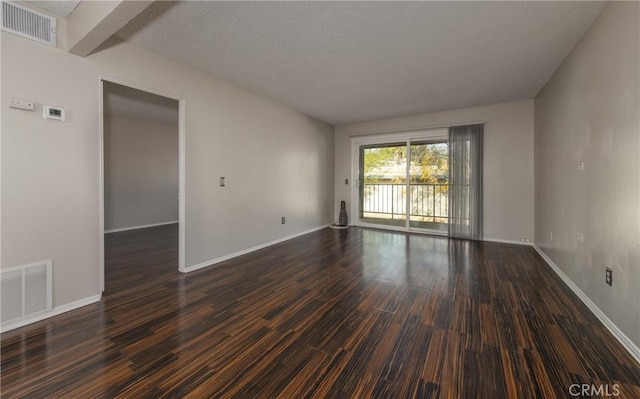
(355,313)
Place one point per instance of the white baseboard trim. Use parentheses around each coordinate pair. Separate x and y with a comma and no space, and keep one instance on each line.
(54,312)
(249,250)
(501,241)
(629,345)
(144,226)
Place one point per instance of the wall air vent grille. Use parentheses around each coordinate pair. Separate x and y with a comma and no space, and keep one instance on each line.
(24,22)
(25,291)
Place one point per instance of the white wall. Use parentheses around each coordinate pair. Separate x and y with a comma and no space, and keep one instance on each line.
(140,172)
(590,112)
(278,162)
(508,161)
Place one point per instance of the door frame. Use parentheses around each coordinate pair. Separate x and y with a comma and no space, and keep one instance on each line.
(181,169)
(436,133)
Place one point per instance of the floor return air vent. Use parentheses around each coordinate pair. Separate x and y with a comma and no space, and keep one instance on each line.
(25,291)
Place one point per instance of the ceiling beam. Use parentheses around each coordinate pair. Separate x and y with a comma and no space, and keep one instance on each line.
(93,22)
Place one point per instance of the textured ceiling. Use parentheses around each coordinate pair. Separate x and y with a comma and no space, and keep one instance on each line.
(352,61)
(62,8)
(132,103)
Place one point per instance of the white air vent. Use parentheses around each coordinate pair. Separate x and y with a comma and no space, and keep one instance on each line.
(25,291)
(27,23)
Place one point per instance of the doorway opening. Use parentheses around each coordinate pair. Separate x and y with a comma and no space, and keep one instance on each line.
(141,180)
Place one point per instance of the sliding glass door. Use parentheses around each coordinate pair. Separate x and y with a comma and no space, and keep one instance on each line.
(404,184)
(428,188)
(383,188)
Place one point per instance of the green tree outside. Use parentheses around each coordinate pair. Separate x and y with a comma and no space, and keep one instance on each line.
(432,161)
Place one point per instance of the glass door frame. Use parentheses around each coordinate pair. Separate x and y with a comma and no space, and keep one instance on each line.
(421,135)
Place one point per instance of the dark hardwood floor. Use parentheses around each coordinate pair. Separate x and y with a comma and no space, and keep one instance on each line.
(355,313)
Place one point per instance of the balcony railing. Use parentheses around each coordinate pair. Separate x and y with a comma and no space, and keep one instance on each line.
(428,202)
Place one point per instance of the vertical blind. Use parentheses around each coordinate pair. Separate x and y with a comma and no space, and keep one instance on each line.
(465,181)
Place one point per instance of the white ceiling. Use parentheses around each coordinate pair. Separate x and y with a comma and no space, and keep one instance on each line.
(62,8)
(352,61)
(132,103)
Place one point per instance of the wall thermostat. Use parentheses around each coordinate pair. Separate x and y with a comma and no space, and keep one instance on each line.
(52,112)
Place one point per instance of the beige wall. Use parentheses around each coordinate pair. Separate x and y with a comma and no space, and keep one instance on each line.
(140,172)
(277,161)
(508,161)
(590,112)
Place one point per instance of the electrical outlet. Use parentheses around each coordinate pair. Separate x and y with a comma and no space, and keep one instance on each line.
(222,182)
(283,220)
(609,277)
(581,166)
(580,237)
(346,181)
